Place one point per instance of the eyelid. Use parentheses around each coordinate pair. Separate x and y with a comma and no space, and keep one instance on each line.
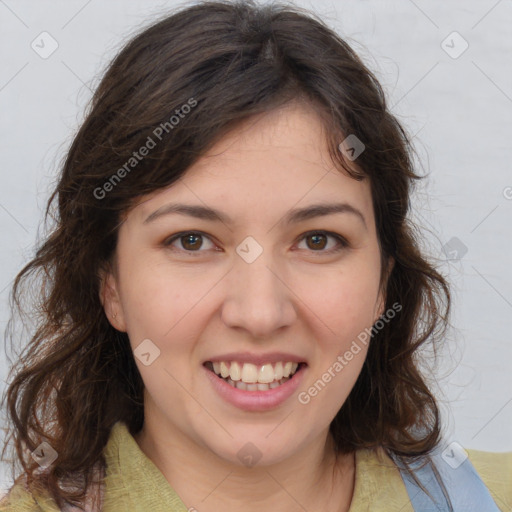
(343,244)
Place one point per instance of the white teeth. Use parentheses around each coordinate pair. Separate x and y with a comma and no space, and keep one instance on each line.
(241,385)
(235,371)
(251,374)
(255,387)
(224,370)
(266,375)
(278,371)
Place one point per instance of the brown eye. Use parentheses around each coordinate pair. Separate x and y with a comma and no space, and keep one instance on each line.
(317,241)
(190,242)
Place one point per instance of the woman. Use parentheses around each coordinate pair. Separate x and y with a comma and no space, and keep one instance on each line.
(233,297)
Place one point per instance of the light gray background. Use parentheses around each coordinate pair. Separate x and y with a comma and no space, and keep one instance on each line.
(458,109)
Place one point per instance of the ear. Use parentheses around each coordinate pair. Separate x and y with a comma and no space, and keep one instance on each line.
(381,299)
(110,299)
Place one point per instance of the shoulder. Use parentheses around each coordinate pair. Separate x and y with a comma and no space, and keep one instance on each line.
(379,482)
(19,499)
(495,469)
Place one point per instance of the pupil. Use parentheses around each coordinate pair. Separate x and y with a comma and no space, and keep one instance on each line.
(188,238)
(316,239)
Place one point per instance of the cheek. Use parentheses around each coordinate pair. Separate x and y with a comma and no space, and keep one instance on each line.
(157,298)
(343,301)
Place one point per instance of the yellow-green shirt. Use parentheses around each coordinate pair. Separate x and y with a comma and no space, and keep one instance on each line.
(134,484)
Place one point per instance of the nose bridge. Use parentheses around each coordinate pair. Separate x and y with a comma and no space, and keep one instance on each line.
(257,298)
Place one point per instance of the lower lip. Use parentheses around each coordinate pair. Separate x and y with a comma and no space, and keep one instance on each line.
(255,400)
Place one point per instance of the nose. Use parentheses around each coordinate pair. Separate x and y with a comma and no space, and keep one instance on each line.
(258,298)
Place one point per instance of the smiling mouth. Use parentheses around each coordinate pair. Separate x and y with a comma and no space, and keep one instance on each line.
(250,377)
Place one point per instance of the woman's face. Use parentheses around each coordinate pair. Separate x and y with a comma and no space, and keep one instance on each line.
(251,292)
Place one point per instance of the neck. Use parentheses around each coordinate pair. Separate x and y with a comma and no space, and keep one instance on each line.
(312,479)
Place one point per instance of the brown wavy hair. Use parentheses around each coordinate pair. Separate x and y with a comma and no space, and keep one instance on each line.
(76,376)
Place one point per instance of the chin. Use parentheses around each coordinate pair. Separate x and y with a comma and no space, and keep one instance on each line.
(258,449)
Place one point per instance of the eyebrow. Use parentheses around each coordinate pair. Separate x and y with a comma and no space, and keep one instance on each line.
(293,216)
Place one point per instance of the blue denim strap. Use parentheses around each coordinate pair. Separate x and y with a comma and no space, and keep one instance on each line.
(466,490)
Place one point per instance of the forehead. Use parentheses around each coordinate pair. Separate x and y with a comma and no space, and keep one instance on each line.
(292,133)
(267,165)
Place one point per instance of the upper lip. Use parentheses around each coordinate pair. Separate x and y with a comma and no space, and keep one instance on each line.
(257,359)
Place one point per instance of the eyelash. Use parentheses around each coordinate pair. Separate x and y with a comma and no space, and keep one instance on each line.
(343,244)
